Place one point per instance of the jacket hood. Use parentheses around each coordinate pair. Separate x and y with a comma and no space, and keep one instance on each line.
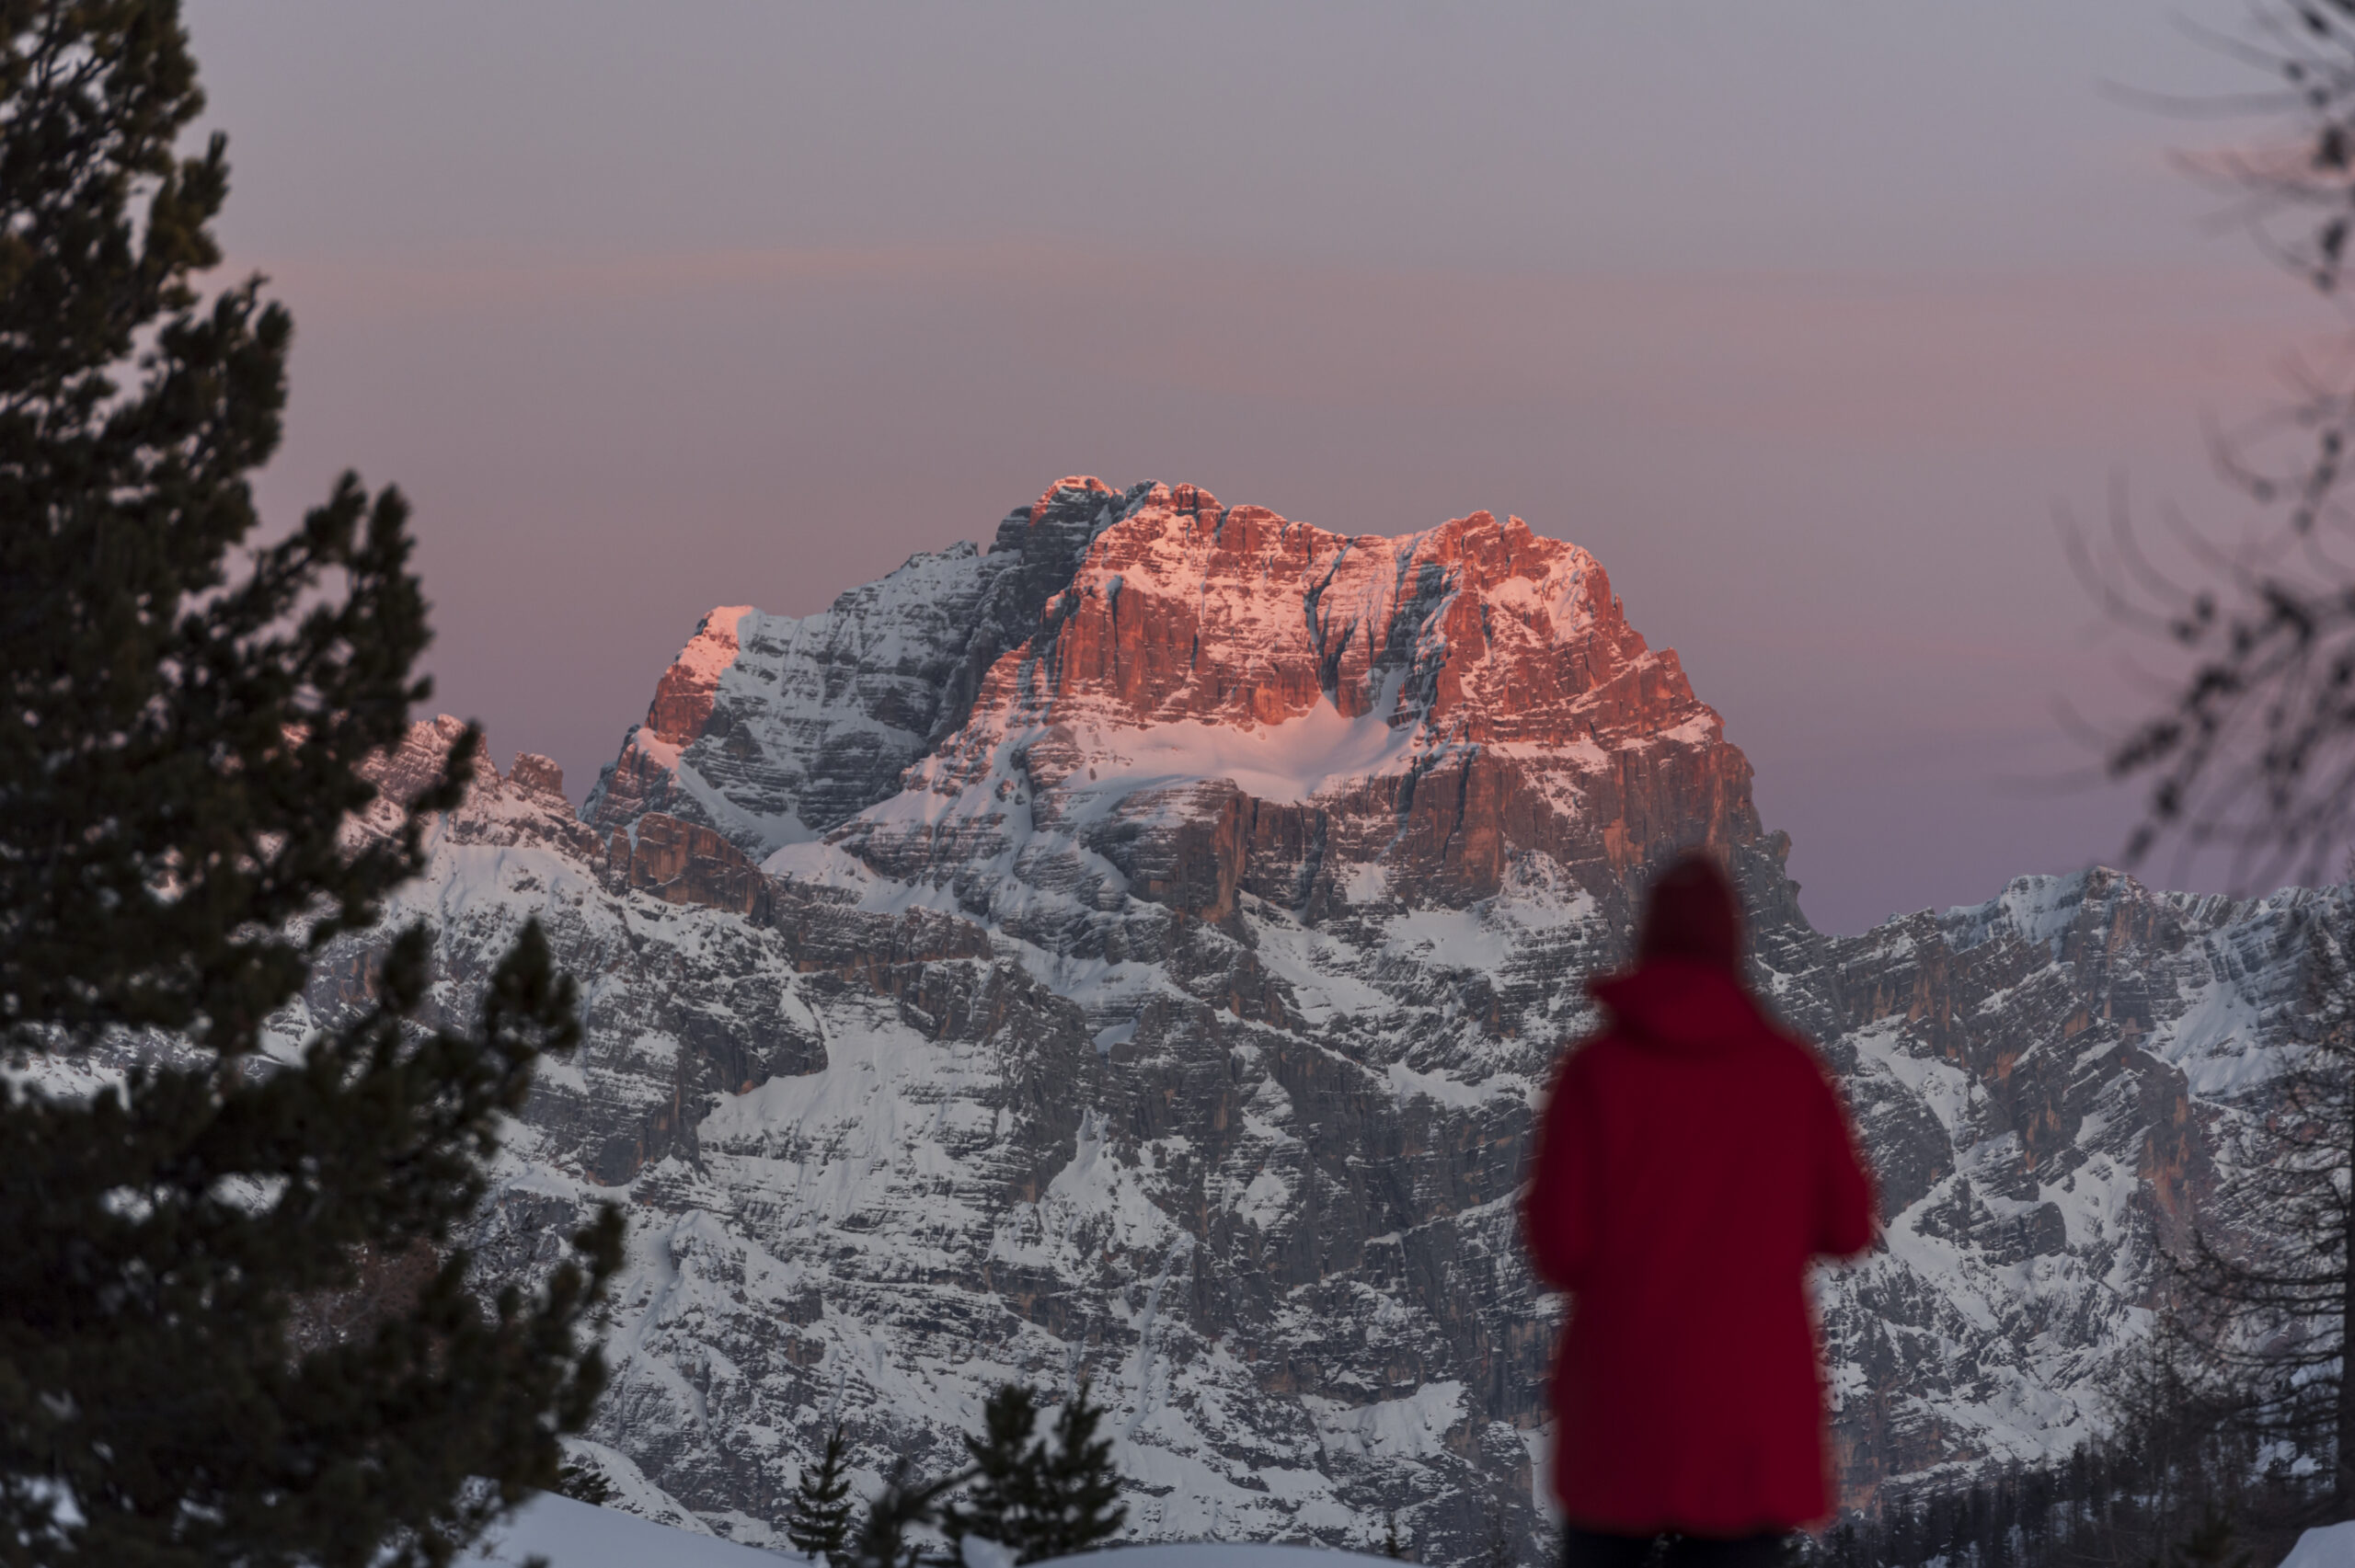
(1678,1002)
(1691,913)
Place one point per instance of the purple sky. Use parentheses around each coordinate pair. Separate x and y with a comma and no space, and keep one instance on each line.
(1803,318)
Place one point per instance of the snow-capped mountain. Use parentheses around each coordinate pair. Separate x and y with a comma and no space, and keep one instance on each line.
(1132,953)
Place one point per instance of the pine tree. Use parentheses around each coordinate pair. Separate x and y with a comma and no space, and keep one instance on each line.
(182,756)
(583,1485)
(1498,1552)
(1079,1488)
(1038,1496)
(901,1506)
(1899,1524)
(2211,1544)
(818,1520)
(1392,1546)
(1007,1501)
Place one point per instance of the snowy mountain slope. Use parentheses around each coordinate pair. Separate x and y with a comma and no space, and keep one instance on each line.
(2091,1056)
(1172,1013)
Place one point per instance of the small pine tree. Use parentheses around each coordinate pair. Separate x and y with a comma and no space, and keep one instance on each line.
(1498,1552)
(1038,1497)
(583,1485)
(1006,1503)
(1391,1546)
(901,1507)
(818,1520)
(2211,1543)
(1079,1489)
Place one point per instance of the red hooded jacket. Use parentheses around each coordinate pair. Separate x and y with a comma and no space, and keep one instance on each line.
(1692,1161)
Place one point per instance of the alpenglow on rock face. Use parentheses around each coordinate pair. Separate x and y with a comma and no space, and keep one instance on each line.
(1133,953)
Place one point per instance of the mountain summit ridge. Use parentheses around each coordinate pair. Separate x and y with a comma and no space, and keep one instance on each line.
(1525,710)
(1134,951)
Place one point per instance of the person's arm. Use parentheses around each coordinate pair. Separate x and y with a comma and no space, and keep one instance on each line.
(1557,1209)
(1844,1201)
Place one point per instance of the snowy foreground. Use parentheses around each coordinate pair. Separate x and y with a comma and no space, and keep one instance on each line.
(2333,1546)
(581,1535)
(575,1535)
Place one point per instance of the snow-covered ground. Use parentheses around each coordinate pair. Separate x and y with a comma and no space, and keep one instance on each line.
(575,1535)
(2332,1546)
(581,1535)
(1235,1554)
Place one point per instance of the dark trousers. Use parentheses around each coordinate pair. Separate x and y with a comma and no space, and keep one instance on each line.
(1591,1549)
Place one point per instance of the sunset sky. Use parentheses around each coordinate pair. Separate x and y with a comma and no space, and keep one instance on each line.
(1804,318)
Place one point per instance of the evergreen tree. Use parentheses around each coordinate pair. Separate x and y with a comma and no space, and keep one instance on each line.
(1498,1552)
(1007,1501)
(1038,1496)
(182,753)
(2211,1544)
(818,1520)
(1079,1488)
(901,1506)
(1392,1546)
(1901,1531)
(583,1485)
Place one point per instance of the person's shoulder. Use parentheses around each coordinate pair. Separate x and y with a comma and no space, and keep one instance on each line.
(1793,1045)
(1593,1053)
(1794,1054)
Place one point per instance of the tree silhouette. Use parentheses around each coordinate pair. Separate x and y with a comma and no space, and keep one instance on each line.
(233,1326)
(1078,1486)
(903,1505)
(2253,752)
(818,1520)
(1039,1496)
(1008,1502)
(583,1485)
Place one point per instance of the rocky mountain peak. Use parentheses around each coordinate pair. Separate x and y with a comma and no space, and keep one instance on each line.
(1185,610)
(1275,704)
(1080,484)
(683,697)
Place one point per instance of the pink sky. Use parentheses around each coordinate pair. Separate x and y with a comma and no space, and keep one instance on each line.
(1804,326)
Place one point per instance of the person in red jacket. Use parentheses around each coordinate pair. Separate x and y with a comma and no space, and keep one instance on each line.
(1693,1158)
